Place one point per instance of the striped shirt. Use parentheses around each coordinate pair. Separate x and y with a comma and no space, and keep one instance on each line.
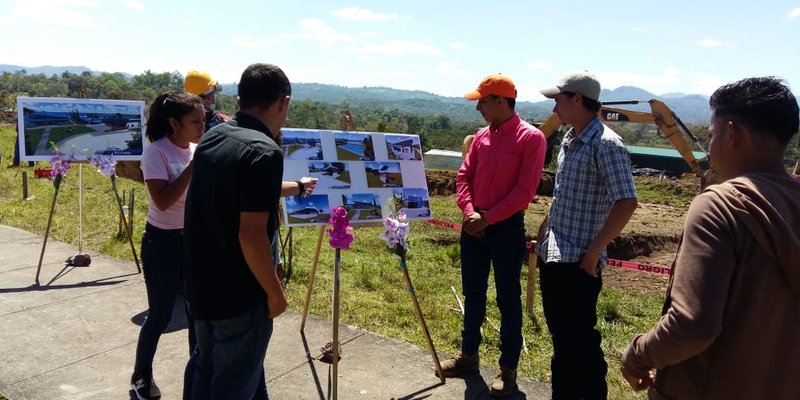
(593,173)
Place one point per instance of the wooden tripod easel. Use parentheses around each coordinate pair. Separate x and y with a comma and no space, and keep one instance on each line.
(50,220)
(348,124)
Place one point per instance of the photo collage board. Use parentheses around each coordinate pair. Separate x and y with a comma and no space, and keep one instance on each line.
(81,128)
(358,170)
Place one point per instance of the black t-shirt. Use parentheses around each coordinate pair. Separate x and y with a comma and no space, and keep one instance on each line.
(237,168)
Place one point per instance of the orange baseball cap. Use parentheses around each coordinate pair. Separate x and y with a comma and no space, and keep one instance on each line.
(497,85)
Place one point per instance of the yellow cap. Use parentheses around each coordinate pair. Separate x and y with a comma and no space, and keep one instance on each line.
(200,83)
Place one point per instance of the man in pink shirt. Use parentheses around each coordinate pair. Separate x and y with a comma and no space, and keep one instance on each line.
(495,184)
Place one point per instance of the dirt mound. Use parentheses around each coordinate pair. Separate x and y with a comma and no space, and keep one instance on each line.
(443,183)
(640,246)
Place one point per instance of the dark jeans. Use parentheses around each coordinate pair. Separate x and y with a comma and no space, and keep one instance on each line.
(502,247)
(163,261)
(228,362)
(569,299)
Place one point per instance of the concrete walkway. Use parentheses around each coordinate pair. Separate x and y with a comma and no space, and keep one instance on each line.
(74,337)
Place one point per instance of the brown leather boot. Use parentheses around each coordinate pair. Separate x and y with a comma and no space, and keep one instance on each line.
(505,383)
(459,365)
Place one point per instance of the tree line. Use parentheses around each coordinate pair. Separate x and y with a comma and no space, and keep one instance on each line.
(438,131)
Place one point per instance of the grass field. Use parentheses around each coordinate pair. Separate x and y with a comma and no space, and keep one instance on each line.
(373,293)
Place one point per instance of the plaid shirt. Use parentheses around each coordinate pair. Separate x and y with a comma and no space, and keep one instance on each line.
(214,118)
(593,173)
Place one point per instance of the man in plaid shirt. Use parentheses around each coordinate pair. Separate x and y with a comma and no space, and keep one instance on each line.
(594,198)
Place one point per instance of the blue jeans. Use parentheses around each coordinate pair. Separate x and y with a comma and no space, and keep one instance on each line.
(569,299)
(502,247)
(163,260)
(228,362)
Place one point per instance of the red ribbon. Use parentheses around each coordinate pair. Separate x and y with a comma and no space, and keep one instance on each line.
(531,246)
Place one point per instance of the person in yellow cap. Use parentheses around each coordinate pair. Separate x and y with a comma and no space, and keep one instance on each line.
(495,184)
(201,84)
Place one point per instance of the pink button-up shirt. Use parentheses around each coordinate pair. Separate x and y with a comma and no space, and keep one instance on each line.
(501,171)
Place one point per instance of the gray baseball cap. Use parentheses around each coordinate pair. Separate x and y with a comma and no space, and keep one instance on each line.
(577,82)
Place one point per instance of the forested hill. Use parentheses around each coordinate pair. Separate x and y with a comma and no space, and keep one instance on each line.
(692,109)
(440,121)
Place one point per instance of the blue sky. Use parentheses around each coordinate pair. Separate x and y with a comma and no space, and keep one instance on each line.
(444,47)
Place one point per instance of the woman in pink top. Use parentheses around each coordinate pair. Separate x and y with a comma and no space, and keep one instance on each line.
(175,123)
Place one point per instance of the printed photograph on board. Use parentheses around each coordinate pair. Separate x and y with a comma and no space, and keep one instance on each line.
(362,207)
(330,175)
(354,146)
(403,147)
(312,209)
(383,174)
(415,203)
(81,128)
(299,144)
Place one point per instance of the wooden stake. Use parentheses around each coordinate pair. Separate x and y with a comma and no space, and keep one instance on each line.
(531,288)
(58,179)
(335,347)
(421,319)
(125,221)
(312,277)
(24,185)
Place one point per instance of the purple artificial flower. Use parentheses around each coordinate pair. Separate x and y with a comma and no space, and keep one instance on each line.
(60,163)
(104,164)
(340,233)
(396,235)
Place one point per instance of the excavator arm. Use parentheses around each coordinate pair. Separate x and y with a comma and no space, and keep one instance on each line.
(668,124)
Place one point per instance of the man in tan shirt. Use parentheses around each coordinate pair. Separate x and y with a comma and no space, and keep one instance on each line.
(731,320)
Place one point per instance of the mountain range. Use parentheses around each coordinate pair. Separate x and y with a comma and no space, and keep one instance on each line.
(691,108)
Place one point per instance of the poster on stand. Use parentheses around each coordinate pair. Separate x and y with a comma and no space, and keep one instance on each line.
(81,128)
(360,171)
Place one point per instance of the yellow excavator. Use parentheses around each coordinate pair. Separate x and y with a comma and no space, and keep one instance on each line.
(668,124)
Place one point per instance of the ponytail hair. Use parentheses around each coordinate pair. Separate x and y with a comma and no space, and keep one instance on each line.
(172,104)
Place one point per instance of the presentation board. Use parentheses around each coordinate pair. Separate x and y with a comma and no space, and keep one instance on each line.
(358,170)
(80,128)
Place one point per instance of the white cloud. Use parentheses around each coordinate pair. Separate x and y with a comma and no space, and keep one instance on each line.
(539,65)
(308,74)
(133,4)
(318,31)
(639,29)
(59,13)
(709,43)
(705,83)
(655,83)
(253,42)
(459,45)
(451,68)
(396,48)
(670,80)
(362,14)
(793,13)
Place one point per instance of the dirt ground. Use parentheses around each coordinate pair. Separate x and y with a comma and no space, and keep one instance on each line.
(651,236)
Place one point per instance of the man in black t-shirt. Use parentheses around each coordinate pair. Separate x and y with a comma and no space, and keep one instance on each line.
(231,209)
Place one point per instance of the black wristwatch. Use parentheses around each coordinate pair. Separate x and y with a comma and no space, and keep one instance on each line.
(301,187)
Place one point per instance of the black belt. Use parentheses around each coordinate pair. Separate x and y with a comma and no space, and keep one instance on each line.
(518,214)
(155,232)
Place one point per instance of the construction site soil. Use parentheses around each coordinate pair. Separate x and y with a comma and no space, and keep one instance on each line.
(651,236)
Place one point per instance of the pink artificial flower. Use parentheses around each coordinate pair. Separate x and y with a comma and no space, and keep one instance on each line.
(396,235)
(340,233)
